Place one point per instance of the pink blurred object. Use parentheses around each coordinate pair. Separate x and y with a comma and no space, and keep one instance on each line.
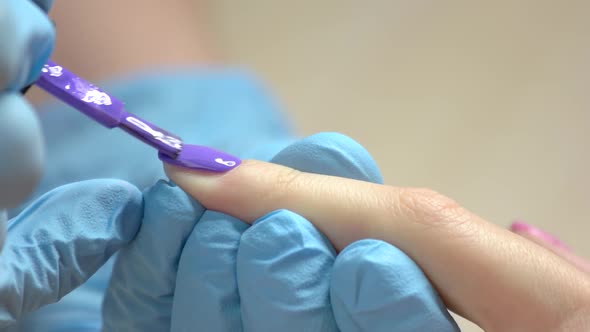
(524,228)
(556,245)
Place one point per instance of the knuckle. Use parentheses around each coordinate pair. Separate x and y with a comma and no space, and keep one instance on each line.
(432,209)
(286,178)
(284,182)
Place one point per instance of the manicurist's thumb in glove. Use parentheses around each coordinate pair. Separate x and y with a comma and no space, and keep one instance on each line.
(493,277)
(59,242)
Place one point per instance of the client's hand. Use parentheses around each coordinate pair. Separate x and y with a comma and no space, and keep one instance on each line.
(196,269)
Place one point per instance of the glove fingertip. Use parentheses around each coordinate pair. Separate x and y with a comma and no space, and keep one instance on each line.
(331,154)
(44,48)
(45,5)
(27,37)
(286,224)
(166,200)
(376,287)
(23,144)
(130,200)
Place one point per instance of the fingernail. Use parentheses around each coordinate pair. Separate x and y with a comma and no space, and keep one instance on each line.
(524,228)
(202,158)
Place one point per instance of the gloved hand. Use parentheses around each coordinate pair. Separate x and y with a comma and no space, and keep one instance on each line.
(61,240)
(26,40)
(191,269)
(192,104)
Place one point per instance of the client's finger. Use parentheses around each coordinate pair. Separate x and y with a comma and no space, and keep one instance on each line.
(488,274)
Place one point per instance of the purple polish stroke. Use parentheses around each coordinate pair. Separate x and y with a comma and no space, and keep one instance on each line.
(202,157)
(110,112)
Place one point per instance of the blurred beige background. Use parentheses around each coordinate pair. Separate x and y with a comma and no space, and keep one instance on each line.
(485,102)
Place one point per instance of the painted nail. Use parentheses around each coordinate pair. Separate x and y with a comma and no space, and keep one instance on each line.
(524,228)
(202,157)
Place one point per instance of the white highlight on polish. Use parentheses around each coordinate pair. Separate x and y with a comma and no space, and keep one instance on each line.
(55,71)
(168,140)
(97,97)
(229,163)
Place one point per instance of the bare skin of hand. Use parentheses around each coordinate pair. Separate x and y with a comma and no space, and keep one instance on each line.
(500,280)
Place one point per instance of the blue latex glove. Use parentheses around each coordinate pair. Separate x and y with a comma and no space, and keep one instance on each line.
(193,104)
(280,274)
(26,39)
(55,245)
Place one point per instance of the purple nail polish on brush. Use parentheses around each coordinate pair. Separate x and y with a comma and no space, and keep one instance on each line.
(110,112)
